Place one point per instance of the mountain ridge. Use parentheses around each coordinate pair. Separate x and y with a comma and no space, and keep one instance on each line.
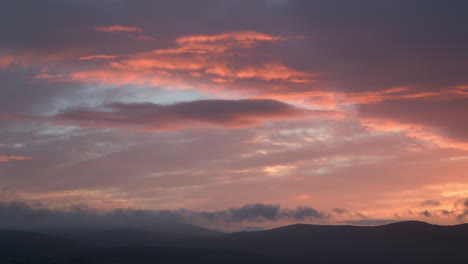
(402,242)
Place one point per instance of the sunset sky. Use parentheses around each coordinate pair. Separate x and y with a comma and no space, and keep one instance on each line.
(237,112)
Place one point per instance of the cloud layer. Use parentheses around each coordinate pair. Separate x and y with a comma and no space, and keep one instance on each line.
(19,215)
(228,113)
(4,158)
(358,106)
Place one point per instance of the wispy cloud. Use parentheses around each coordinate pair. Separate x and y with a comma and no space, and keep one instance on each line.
(99,56)
(4,158)
(117,28)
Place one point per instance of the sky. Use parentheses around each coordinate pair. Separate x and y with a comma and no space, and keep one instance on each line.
(235,113)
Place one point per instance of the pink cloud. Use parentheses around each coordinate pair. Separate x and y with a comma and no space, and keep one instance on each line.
(99,56)
(6,61)
(117,28)
(428,133)
(198,60)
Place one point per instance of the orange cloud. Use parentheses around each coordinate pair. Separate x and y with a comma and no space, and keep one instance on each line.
(220,42)
(245,37)
(4,158)
(444,94)
(100,56)
(117,28)
(331,99)
(417,131)
(197,61)
(165,63)
(267,72)
(334,99)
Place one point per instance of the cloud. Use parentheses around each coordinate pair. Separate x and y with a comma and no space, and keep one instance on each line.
(99,56)
(446,212)
(7,61)
(17,214)
(117,28)
(253,212)
(221,42)
(20,215)
(383,69)
(339,211)
(261,213)
(4,158)
(195,61)
(226,113)
(426,213)
(429,203)
(303,212)
(212,56)
(425,113)
(464,214)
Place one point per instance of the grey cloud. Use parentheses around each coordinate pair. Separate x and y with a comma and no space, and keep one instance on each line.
(436,213)
(426,213)
(263,212)
(339,211)
(246,112)
(462,216)
(301,213)
(429,203)
(446,212)
(21,215)
(254,212)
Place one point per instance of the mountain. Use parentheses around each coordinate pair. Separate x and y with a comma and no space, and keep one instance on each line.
(33,248)
(19,241)
(403,242)
(162,235)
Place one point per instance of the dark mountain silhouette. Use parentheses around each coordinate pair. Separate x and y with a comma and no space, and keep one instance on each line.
(29,248)
(164,235)
(403,242)
(28,241)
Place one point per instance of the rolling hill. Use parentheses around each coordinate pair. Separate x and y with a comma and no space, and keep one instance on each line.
(403,242)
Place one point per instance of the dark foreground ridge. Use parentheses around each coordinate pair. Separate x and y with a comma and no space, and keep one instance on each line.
(403,242)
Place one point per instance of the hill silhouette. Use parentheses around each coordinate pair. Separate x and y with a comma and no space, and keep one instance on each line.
(30,248)
(403,242)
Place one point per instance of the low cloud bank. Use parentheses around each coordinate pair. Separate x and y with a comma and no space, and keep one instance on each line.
(20,215)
